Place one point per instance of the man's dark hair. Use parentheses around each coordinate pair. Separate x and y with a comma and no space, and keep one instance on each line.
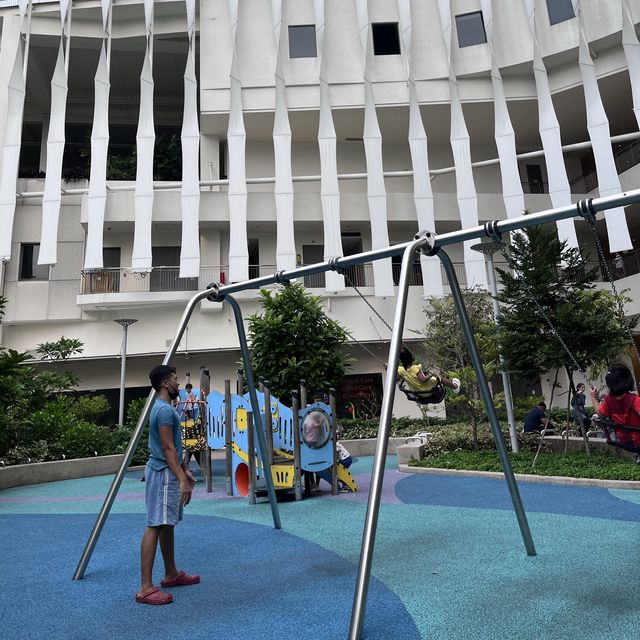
(542,405)
(160,373)
(188,386)
(619,379)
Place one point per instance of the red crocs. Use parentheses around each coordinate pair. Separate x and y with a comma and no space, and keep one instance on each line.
(181,580)
(155,596)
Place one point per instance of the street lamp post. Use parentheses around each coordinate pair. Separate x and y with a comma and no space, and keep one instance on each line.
(488,249)
(124,323)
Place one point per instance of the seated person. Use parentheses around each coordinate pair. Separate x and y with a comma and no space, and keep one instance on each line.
(419,380)
(536,420)
(577,402)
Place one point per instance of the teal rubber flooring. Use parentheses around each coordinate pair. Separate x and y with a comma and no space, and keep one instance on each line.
(449,563)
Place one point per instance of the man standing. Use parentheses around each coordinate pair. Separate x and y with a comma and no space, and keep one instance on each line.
(167,490)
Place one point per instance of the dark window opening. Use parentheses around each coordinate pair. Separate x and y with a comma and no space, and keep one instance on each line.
(560,11)
(29,267)
(253,249)
(302,41)
(386,39)
(222,159)
(470,28)
(29,165)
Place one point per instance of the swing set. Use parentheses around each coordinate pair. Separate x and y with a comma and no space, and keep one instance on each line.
(429,244)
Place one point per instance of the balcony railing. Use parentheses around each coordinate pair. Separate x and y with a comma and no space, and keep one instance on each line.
(166,279)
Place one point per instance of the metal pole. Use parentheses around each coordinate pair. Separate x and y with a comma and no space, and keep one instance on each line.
(123,371)
(295,417)
(255,408)
(334,440)
(228,431)
(488,249)
(377,476)
(124,323)
(488,402)
(506,381)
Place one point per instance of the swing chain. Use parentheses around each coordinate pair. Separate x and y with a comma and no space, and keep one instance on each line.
(563,344)
(619,306)
(353,286)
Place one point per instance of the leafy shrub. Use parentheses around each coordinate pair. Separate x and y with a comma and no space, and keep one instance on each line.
(83,440)
(35,451)
(90,408)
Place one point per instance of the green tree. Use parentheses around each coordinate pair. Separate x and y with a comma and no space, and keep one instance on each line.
(447,349)
(550,285)
(292,339)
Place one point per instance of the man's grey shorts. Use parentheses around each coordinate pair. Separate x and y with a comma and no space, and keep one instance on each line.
(162,497)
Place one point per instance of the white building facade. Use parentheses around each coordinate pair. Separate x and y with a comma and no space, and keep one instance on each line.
(151,148)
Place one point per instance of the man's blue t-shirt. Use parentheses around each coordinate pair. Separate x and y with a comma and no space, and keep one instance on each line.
(162,413)
(533,420)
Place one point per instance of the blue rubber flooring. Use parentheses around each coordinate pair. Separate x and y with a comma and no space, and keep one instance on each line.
(449,563)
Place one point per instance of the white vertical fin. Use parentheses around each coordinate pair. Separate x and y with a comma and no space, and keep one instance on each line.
(190,138)
(97,198)
(559,189)
(329,190)
(145,142)
(600,135)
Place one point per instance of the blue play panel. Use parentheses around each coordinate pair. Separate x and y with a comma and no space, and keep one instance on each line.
(449,563)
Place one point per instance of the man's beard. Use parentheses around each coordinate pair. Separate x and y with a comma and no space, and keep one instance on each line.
(174,393)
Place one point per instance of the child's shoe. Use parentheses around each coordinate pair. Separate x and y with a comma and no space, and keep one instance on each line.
(456,385)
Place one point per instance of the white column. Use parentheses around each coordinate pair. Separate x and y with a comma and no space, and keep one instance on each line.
(505,138)
(631,47)
(236,140)
(418,147)
(145,143)
(55,144)
(13,134)
(190,136)
(460,145)
(376,192)
(600,136)
(559,189)
(97,198)
(329,190)
(283,188)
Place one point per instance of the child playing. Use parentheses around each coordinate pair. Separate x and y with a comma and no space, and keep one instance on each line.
(189,401)
(425,386)
(621,405)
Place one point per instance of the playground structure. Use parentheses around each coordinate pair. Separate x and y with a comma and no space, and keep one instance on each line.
(295,447)
(429,244)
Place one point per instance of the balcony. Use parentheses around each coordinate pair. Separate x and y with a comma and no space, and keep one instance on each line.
(121,288)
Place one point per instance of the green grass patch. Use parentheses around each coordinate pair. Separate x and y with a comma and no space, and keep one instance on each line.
(603,466)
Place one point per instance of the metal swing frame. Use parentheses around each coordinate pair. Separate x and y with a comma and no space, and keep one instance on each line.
(432,245)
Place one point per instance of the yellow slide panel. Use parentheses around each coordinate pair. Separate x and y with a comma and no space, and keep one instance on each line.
(345,477)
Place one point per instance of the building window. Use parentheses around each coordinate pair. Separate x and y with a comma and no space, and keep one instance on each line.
(29,267)
(560,11)
(386,39)
(470,28)
(302,41)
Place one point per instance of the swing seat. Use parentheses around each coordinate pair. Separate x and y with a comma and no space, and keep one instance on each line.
(621,435)
(432,396)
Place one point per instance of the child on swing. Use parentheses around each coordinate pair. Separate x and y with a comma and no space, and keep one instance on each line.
(419,380)
(621,405)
